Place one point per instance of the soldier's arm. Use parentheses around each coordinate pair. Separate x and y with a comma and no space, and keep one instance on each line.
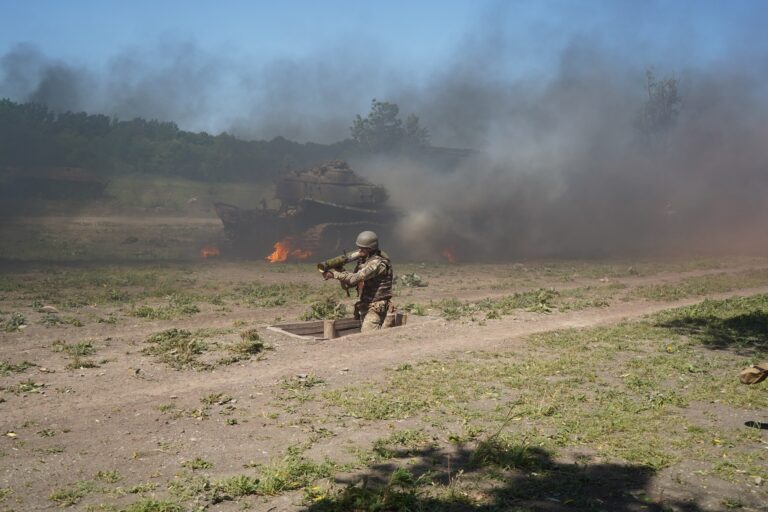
(369,269)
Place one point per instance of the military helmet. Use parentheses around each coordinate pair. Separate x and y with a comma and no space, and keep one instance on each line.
(368,239)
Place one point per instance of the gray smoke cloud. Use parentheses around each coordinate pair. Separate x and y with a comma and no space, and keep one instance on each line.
(562,171)
(558,168)
(310,99)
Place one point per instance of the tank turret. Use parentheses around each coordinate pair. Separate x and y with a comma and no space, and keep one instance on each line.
(322,209)
(333,182)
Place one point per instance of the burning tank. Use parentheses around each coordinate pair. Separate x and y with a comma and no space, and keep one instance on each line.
(322,210)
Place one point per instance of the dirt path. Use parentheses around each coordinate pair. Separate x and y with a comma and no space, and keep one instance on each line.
(366,356)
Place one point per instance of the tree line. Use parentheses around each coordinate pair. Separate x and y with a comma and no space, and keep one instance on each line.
(33,136)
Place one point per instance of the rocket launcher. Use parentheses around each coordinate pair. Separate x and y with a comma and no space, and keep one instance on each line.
(338,262)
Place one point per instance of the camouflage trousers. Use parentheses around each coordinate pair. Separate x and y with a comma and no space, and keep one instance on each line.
(372,315)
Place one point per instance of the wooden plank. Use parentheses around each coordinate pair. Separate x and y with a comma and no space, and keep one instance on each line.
(318,324)
(281,331)
(346,323)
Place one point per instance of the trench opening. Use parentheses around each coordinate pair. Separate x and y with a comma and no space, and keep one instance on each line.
(331,329)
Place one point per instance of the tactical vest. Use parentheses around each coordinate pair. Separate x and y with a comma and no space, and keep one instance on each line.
(379,287)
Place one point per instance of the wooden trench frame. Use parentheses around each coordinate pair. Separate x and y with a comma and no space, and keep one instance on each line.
(328,329)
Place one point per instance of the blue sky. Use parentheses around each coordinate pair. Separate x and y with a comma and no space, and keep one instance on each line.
(376,48)
(418,32)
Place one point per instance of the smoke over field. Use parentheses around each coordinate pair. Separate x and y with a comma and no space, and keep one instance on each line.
(570,156)
(572,166)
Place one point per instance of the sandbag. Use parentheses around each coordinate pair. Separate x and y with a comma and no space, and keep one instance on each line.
(754,374)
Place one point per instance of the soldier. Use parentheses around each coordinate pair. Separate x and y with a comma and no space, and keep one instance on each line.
(373,276)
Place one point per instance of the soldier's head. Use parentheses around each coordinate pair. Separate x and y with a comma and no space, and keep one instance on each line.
(367,242)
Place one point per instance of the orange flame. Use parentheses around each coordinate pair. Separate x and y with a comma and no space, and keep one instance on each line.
(284,249)
(209,251)
(448,254)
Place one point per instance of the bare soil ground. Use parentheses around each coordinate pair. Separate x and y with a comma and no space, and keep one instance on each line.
(96,422)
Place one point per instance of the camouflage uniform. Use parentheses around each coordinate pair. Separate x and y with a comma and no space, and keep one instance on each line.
(373,279)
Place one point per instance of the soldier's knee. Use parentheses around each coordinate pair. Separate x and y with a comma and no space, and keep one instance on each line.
(371,322)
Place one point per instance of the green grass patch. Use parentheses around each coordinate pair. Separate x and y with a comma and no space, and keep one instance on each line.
(327,309)
(27,386)
(620,390)
(250,343)
(197,463)
(5,492)
(109,477)
(300,389)
(276,294)
(701,285)
(54,320)
(289,472)
(142,488)
(540,300)
(401,442)
(292,471)
(178,306)
(177,348)
(152,505)
(13,323)
(415,309)
(152,191)
(105,285)
(740,323)
(6,367)
(72,495)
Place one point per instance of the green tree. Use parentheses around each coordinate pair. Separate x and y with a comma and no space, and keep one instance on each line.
(382,130)
(660,111)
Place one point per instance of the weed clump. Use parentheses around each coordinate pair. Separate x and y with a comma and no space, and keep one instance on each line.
(178,306)
(4,493)
(411,281)
(7,367)
(197,463)
(499,451)
(177,348)
(541,301)
(188,487)
(404,491)
(250,343)
(415,309)
(109,477)
(326,309)
(293,471)
(16,322)
(151,505)
(72,495)
(270,295)
(27,386)
(77,351)
(400,443)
